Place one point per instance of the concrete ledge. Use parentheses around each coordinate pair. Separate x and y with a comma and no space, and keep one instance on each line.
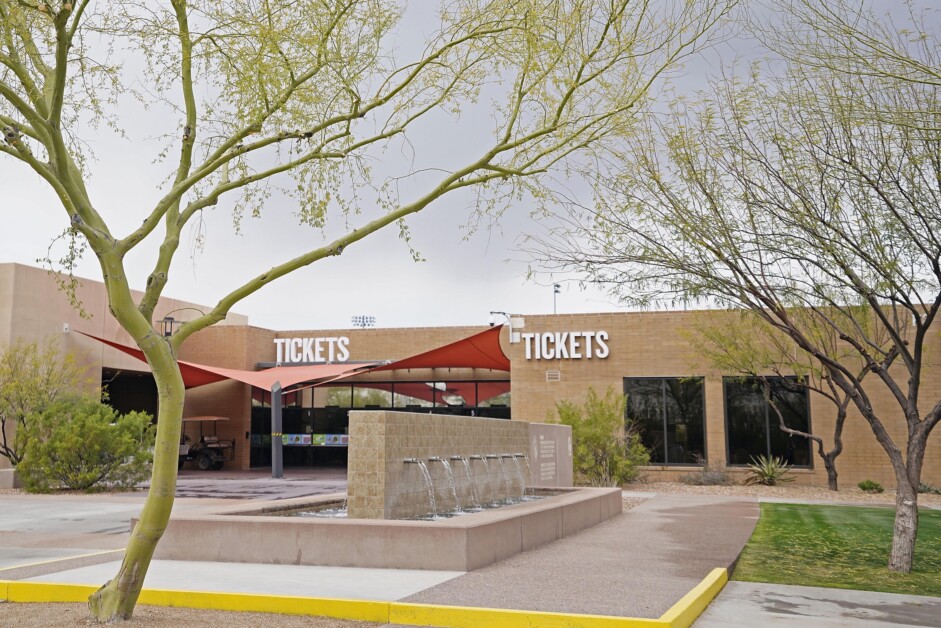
(681,615)
(31,570)
(463,543)
(9,479)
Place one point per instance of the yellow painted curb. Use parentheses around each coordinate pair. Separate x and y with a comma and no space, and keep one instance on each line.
(364,610)
(681,615)
(470,617)
(684,613)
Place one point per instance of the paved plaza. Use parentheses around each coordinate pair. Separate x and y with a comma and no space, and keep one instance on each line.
(637,564)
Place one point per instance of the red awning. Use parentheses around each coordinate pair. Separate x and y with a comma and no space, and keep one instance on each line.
(480,351)
(426,391)
(199,374)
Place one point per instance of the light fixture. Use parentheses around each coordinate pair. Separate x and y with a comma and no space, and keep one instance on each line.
(514,336)
(556,289)
(168,326)
(363,321)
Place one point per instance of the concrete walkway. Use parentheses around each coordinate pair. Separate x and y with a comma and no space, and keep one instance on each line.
(750,604)
(637,564)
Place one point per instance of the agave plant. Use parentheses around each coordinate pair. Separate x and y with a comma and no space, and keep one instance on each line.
(768,471)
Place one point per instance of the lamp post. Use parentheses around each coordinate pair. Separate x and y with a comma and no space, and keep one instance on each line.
(556,289)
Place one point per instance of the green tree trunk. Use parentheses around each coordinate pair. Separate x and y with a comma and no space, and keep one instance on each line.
(116,599)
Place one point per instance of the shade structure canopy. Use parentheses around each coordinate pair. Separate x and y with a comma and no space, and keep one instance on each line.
(195,375)
(480,351)
(473,393)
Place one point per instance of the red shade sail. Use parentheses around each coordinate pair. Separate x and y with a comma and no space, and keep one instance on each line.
(199,374)
(480,351)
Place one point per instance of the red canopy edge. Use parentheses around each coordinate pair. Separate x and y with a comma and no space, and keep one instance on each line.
(480,351)
(195,375)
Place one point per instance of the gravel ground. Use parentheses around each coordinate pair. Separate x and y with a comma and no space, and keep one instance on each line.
(788,491)
(55,615)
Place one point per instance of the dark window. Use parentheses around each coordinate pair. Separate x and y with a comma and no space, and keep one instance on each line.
(670,415)
(752,426)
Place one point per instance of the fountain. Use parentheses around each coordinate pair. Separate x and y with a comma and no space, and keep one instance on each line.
(386,480)
(470,482)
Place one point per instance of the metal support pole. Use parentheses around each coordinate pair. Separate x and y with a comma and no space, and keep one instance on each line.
(277,444)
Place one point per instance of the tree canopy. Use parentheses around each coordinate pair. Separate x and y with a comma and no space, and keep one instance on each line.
(289,104)
(805,190)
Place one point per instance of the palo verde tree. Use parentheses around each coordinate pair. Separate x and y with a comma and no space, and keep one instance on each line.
(812,185)
(748,346)
(301,96)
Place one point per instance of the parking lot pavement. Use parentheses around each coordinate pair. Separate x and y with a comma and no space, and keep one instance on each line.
(749,604)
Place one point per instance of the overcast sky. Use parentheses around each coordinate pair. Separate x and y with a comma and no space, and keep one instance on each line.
(459,283)
(461,280)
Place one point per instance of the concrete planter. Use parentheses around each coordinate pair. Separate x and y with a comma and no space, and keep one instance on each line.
(249,534)
(9,479)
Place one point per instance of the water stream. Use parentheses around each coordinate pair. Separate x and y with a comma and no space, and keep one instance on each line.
(450,475)
(430,485)
(473,485)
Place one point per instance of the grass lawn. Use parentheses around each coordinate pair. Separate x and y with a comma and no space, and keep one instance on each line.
(845,547)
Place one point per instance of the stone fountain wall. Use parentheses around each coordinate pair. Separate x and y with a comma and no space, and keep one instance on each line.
(381,485)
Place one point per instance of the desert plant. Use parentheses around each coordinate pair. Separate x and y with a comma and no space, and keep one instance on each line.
(707,475)
(32,376)
(870,486)
(768,471)
(606,447)
(928,488)
(83,444)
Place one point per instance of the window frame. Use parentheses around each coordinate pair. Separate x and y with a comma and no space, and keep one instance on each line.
(663,418)
(726,379)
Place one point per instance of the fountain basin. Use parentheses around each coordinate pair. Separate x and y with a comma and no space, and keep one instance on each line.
(249,534)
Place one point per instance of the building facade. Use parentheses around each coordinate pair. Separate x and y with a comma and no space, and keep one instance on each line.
(687,411)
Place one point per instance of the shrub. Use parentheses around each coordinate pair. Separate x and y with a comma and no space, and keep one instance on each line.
(707,476)
(605,446)
(768,471)
(927,488)
(85,445)
(869,486)
(32,377)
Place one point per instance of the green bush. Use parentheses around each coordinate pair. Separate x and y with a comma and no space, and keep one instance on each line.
(605,446)
(869,486)
(928,488)
(85,445)
(768,471)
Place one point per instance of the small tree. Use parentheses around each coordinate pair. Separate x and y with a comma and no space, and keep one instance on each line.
(85,445)
(301,98)
(606,446)
(750,347)
(31,378)
(810,186)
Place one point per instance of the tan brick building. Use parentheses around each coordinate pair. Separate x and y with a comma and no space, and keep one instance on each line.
(686,409)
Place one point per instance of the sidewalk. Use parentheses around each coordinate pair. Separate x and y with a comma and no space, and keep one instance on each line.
(637,564)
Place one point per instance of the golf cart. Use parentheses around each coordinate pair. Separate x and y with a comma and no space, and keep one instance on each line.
(209,452)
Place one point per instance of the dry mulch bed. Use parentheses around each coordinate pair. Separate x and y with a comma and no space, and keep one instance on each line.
(786,491)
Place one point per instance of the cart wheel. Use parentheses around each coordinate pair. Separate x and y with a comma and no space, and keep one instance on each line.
(203,462)
(217,465)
